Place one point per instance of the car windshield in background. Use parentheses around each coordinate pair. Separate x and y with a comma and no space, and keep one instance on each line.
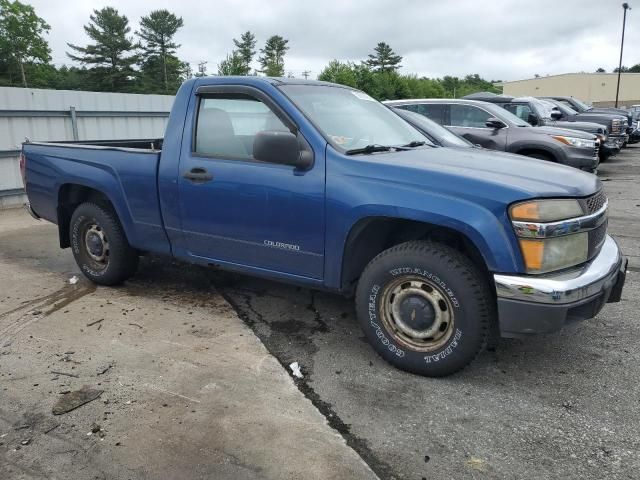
(563,107)
(350,119)
(544,107)
(437,131)
(582,105)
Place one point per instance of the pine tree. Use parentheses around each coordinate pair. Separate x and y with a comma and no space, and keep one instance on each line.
(384,59)
(246,50)
(111,57)
(272,58)
(234,64)
(21,38)
(156,34)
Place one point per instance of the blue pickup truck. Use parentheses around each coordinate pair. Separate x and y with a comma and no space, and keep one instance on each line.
(322,186)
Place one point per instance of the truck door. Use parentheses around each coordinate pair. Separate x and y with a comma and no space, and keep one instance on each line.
(469,121)
(239,211)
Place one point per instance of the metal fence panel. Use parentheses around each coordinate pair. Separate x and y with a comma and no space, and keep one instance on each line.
(52,115)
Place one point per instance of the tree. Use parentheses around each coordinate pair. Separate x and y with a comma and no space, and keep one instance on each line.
(384,59)
(600,70)
(245,50)
(234,64)
(634,69)
(111,66)
(337,72)
(156,32)
(272,58)
(21,36)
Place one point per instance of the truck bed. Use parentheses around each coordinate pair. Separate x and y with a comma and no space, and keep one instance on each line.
(124,170)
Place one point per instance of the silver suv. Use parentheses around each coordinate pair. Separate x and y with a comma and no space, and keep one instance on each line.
(493,127)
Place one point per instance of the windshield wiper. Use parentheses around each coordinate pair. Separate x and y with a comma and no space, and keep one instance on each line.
(368,149)
(414,144)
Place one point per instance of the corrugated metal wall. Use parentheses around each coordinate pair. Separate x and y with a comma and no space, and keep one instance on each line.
(51,115)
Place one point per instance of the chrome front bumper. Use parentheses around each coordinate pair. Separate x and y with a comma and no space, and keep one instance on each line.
(544,303)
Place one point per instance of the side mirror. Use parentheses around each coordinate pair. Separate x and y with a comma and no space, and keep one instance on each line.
(279,147)
(556,114)
(532,119)
(494,123)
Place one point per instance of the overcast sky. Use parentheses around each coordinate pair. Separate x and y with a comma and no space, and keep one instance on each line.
(498,39)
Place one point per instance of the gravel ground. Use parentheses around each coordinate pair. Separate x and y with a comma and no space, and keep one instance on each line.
(557,406)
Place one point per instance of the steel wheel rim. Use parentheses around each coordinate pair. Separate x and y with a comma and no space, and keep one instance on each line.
(97,245)
(417,313)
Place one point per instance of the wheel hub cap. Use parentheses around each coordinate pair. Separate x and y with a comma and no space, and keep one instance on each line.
(417,313)
(96,244)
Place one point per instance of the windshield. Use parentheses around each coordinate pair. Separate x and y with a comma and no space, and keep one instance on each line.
(544,107)
(565,109)
(443,136)
(350,119)
(581,105)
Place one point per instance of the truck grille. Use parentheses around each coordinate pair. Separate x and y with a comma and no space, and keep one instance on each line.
(596,236)
(596,239)
(596,150)
(594,203)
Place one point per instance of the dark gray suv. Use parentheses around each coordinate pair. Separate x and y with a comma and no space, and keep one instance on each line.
(491,126)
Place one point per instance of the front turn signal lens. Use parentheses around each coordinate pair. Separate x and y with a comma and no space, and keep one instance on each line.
(532,254)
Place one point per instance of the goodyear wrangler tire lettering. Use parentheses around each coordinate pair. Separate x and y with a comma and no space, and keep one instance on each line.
(425,308)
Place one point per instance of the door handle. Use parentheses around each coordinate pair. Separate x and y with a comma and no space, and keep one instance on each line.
(198,175)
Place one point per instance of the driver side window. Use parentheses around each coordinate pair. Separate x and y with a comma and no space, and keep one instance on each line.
(226,125)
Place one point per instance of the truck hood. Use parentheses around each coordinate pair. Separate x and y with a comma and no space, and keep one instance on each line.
(476,173)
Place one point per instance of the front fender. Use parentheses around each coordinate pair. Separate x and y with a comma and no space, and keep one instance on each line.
(487,227)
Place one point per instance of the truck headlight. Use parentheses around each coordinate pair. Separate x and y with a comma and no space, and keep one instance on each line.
(541,256)
(575,142)
(533,220)
(546,210)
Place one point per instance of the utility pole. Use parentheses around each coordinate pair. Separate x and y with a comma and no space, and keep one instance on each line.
(202,69)
(625,7)
(306,74)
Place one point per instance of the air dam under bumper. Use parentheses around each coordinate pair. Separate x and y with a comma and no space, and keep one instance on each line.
(545,303)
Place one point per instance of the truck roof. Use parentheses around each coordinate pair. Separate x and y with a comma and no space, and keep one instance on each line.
(251,79)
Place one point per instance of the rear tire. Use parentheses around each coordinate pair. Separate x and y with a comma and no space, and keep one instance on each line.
(99,245)
(425,308)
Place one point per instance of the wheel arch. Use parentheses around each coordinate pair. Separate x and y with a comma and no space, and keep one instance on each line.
(371,235)
(70,195)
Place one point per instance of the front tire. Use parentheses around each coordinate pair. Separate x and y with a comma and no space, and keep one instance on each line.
(425,308)
(100,246)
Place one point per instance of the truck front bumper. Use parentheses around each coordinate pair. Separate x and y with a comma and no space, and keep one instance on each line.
(545,303)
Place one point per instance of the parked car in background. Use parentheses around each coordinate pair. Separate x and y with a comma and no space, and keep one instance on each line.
(582,108)
(634,136)
(491,126)
(322,186)
(539,112)
(435,132)
(617,124)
